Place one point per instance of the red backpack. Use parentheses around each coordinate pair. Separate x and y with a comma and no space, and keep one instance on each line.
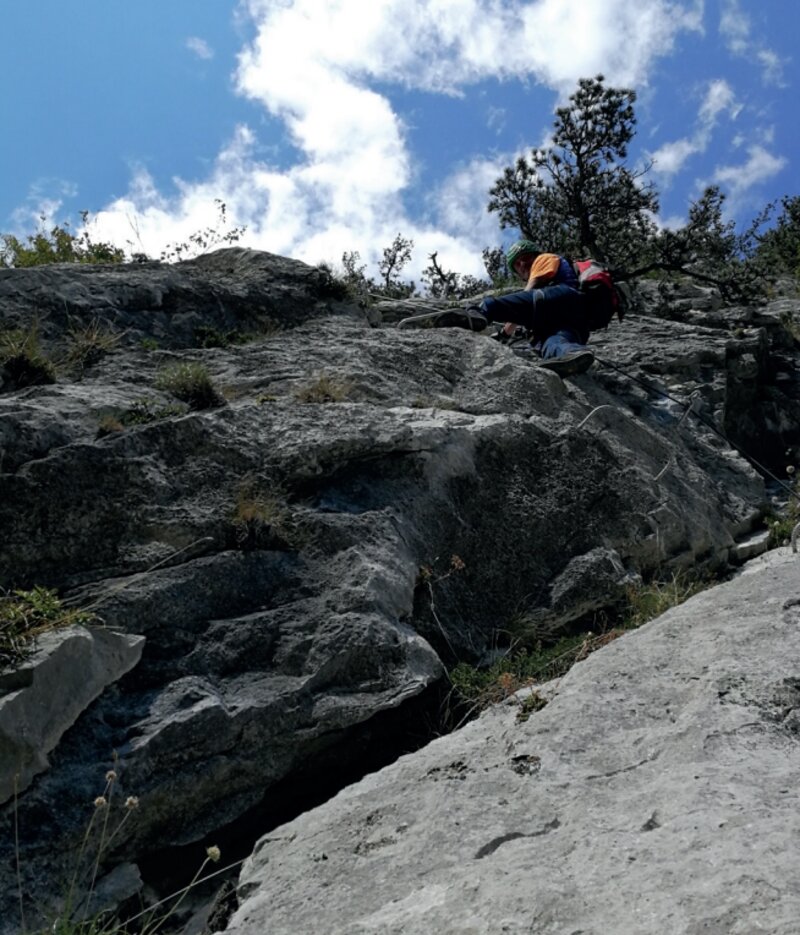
(603,298)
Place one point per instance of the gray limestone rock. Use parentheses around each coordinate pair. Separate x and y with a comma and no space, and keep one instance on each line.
(290,554)
(44,697)
(654,793)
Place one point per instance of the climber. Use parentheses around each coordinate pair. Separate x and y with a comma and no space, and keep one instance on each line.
(551,307)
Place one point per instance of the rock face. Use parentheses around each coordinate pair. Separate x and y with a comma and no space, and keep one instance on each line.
(654,793)
(287,551)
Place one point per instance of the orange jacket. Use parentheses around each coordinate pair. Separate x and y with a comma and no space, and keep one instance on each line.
(543,269)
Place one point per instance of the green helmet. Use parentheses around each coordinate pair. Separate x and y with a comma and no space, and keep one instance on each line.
(518,249)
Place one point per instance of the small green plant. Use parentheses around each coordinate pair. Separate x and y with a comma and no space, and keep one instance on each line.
(781,525)
(206,336)
(149,344)
(22,360)
(88,345)
(530,704)
(191,383)
(26,615)
(145,411)
(324,389)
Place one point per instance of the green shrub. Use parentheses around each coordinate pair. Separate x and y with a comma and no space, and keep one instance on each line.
(22,360)
(59,245)
(332,285)
(25,615)
(476,688)
(191,383)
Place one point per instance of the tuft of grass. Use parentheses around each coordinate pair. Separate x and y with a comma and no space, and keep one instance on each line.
(22,359)
(191,383)
(86,346)
(259,515)
(25,615)
(791,324)
(149,344)
(325,389)
(109,425)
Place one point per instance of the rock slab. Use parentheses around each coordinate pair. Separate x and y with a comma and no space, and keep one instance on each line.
(41,699)
(656,792)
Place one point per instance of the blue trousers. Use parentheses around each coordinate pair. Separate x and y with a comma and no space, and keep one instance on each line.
(554,315)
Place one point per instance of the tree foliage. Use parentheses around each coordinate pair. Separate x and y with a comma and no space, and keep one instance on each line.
(577,195)
(779,247)
(447,284)
(391,285)
(57,245)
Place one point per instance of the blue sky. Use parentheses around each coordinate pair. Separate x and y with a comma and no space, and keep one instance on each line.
(332,126)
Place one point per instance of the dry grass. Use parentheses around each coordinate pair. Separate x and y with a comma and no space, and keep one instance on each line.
(191,383)
(325,389)
(88,345)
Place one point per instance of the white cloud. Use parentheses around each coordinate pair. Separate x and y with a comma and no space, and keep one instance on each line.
(736,29)
(719,98)
(760,166)
(496,119)
(327,71)
(772,65)
(734,26)
(200,47)
(42,205)
(671,158)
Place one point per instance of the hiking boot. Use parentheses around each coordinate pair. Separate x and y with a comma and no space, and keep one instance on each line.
(569,364)
(470,318)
